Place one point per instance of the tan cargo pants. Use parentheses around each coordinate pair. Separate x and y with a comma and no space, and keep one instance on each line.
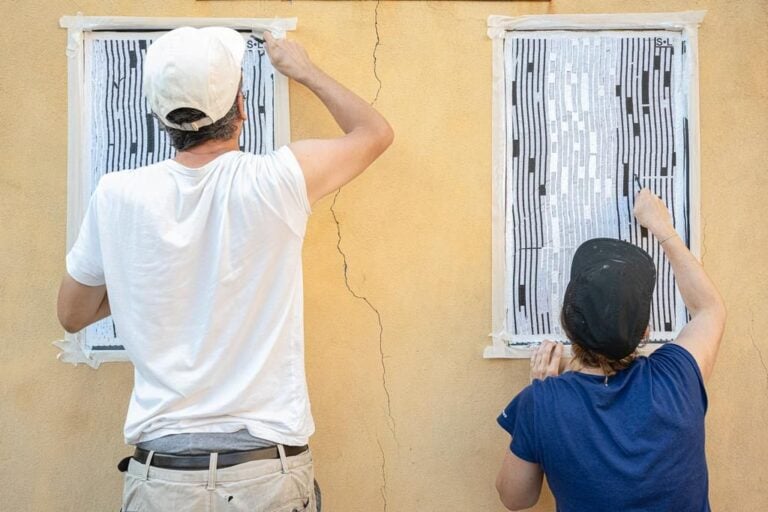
(278,485)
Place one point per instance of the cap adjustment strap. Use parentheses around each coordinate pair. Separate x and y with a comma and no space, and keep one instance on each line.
(192,126)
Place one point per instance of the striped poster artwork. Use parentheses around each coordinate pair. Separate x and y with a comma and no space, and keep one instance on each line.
(122,134)
(589,117)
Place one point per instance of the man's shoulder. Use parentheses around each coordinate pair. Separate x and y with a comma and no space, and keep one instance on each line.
(116,180)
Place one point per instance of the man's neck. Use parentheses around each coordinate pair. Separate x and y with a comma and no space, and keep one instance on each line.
(206,152)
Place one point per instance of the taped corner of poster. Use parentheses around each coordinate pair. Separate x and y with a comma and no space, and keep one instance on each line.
(692,18)
(496,351)
(495,26)
(503,351)
(71,351)
(501,348)
(73,24)
(279,26)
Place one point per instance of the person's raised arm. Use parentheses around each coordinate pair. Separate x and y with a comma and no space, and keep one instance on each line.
(702,335)
(328,164)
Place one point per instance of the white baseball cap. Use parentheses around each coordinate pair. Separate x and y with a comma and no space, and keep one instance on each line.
(194,68)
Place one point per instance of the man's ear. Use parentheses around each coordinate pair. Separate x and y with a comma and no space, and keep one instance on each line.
(241,106)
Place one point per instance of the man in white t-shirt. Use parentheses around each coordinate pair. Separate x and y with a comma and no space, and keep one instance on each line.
(198,260)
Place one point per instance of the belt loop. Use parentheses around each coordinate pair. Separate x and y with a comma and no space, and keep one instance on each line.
(283,460)
(148,463)
(212,465)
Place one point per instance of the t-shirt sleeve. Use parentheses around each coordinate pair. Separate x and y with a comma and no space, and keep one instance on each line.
(679,366)
(280,182)
(84,261)
(518,420)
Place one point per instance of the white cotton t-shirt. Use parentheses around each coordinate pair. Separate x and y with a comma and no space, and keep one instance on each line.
(203,272)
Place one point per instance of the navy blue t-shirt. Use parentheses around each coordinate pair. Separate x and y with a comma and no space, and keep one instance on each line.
(636,444)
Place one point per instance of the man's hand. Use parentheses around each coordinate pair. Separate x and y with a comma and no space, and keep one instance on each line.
(652,213)
(545,360)
(289,58)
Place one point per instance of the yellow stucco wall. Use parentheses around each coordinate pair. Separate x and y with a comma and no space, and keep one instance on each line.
(416,233)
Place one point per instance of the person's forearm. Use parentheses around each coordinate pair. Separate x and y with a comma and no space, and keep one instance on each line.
(349,110)
(100,313)
(79,305)
(696,288)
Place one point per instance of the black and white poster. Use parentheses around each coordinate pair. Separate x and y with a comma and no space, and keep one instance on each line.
(585,119)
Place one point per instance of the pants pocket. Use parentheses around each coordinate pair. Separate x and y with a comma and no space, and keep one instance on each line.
(155,495)
(277,492)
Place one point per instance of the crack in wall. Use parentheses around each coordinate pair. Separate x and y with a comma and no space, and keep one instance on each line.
(391,419)
(373,308)
(375,48)
(703,238)
(383,487)
(754,344)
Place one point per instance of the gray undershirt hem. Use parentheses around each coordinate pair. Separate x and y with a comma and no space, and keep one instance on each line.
(204,442)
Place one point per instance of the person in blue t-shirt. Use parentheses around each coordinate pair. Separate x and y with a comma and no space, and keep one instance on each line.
(618,432)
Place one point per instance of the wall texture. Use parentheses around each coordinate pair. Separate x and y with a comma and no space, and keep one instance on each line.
(404,403)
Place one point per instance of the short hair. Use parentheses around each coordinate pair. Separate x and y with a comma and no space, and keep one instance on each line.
(182,140)
(593,359)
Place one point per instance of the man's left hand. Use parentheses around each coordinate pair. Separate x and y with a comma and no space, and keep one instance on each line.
(545,360)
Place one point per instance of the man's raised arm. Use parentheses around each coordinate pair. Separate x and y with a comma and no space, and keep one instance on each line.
(331,163)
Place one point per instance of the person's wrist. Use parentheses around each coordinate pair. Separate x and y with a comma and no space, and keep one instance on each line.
(664,233)
(310,77)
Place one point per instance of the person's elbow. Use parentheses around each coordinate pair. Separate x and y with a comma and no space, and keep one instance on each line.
(709,304)
(714,310)
(514,498)
(722,311)
(382,137)
(515,501)
(69,319)
(388,135)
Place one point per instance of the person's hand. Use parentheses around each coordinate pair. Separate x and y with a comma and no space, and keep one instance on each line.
(652,213)
(289,58)
(545,360)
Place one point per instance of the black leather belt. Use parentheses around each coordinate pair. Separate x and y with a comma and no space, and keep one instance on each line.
(225,460)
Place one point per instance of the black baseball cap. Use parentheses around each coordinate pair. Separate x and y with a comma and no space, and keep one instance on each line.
(607,303)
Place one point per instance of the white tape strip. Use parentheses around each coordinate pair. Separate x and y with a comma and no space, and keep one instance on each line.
(498,25)
(79,22)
